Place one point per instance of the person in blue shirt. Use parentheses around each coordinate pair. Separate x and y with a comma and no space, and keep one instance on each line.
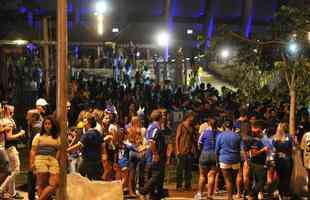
(208,158)
(228,146)
(91,144)
(155,159)
(257,155)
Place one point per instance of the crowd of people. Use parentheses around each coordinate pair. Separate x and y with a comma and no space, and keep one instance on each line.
(132,132)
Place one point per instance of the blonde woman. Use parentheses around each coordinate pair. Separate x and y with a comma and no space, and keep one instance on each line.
(44,158)
(283,145)
(136,154)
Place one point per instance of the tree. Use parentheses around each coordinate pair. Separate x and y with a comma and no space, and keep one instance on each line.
(282,58)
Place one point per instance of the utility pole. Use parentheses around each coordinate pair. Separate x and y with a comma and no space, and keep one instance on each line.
(46,57)
(62,51)
(168,21)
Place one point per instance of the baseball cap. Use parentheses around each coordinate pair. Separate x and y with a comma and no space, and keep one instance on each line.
(41,102)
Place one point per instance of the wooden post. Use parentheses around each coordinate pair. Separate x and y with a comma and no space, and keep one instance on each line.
(46,57)
(62,48)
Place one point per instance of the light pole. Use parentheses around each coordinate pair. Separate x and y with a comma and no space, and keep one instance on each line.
(100,11)
(163,40)
(62,51)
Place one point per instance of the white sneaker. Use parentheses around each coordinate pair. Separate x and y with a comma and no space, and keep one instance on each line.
(260,196)
(198,196)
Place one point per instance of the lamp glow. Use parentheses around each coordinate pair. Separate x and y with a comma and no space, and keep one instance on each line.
(20,42)
(101,7)
(100,24)
(115,30)
(163,39)
(293,47)
(189,31)
(225,53)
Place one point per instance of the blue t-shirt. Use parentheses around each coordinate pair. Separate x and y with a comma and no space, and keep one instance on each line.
(150,135)
(257,144)
(92,142)
(228,146)
(208,140)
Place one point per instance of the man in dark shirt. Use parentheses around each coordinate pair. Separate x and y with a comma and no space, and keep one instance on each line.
(91,144)
(186,145)
(258,153)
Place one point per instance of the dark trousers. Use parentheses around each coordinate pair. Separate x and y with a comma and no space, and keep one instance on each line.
(284,172)
(141,173)
(31,185)
(155,180)
(184,170)
(259,175)
(93,170)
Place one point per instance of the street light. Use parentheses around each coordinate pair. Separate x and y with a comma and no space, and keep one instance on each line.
(189,31)
(100,8)
(163,39)
(293,47)
(115,30)
(20,42)
(225,53)
(100,24)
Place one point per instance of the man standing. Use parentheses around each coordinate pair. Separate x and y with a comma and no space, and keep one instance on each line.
(155,159)
(185,151)
(258,153)
(34,120)
(91,143)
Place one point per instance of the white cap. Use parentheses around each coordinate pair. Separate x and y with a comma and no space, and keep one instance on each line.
(41,102)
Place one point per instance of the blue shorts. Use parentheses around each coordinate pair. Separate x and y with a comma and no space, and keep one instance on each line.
(123,164)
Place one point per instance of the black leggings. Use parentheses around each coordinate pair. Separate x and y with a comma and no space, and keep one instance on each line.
(284,172)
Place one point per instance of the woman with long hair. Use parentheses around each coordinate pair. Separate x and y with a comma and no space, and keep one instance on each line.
(136,141)
(283,145)
(244,172)
(44,158)
(208,159)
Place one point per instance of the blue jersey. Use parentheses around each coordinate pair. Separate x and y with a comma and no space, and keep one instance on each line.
(150,135)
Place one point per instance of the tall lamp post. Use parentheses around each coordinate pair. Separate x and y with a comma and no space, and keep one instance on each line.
(163,40)
(62,51)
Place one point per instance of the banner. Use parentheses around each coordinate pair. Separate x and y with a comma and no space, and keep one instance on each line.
(81,188)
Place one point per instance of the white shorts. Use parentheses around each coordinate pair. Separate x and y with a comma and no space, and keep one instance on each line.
(235,166)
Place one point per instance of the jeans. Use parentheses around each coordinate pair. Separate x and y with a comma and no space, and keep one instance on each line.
(31,185)
(184,170)
(259,173)
(74,163)
(155,180)
(14,166)
(93,170)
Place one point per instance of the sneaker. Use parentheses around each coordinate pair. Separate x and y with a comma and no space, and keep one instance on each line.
(17,196)
(260,196)
(198,196)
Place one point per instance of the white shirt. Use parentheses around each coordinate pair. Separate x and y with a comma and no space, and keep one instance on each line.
(305,146)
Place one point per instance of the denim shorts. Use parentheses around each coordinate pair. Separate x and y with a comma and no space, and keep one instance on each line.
(123,163)
(207,159)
